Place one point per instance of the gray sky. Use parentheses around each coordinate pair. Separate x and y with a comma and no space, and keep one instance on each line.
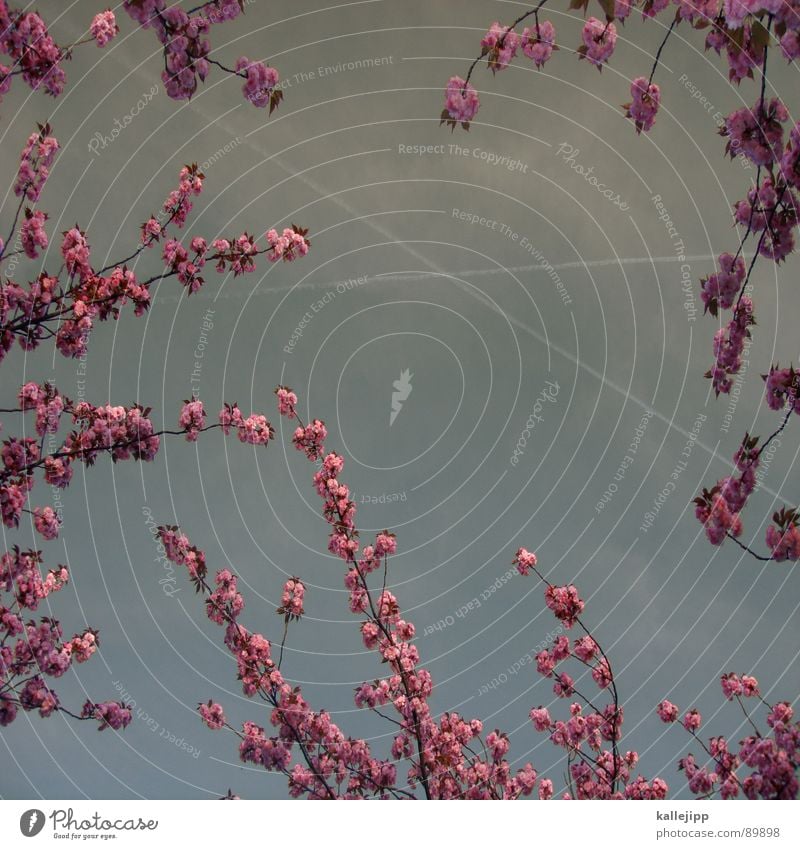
(468,310)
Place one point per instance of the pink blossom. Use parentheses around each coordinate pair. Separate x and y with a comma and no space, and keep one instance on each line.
(192,419)
(13,498)
(292,599)
(790,160)
(585,648)
(33,50)
(524,560)
(729,345)
(750,686)
(82,646)
(692,720)
(287,401)
(461,102)
(790,45)
(104,27)
(781,385)
(758,132)
(720,289)
(287,246)
(32,233)
(47,522)
(75,250)
(385,544)
(692,10)
(731,685)
(784,543)
(667,711)
(311,438)
(255,430)
(500,44)
(115,715)
(736,11)
(564,686)
(644,106)
(57,471)
(545,664)
(35,160)
(540,717)
(259,87)
(599,40)
(212,714)
(539,42)
(602,674)
(565,603)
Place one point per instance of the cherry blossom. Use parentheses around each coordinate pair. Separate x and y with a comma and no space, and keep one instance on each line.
(461,103)
(539,42)
(104,27)
(764,766)
(500,45)
(644,106)
(599,40)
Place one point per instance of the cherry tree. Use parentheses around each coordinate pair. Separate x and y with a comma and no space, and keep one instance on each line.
(63,308)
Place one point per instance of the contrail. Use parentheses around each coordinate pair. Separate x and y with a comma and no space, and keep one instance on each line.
(314,285)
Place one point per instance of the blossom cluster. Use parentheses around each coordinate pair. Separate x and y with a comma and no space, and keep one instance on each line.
(254,430)
(260,86)
(187,48)
(538,42)
(781,388)
(599,40)
(736,28)
(771,210)
(597,769)
(764,766)
(238,254)
(121,432)
(719,290)
(34,163)
(643,107)
(24,37)
(68,308)
(33,650)
(328,758)
(104,27)
(718,509)
(34,54)
(729,344)
(783,535)
(176,207)
(758,132)
(291,606)
(501,44)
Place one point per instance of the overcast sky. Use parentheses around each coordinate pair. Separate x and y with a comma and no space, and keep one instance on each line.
(431,265)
